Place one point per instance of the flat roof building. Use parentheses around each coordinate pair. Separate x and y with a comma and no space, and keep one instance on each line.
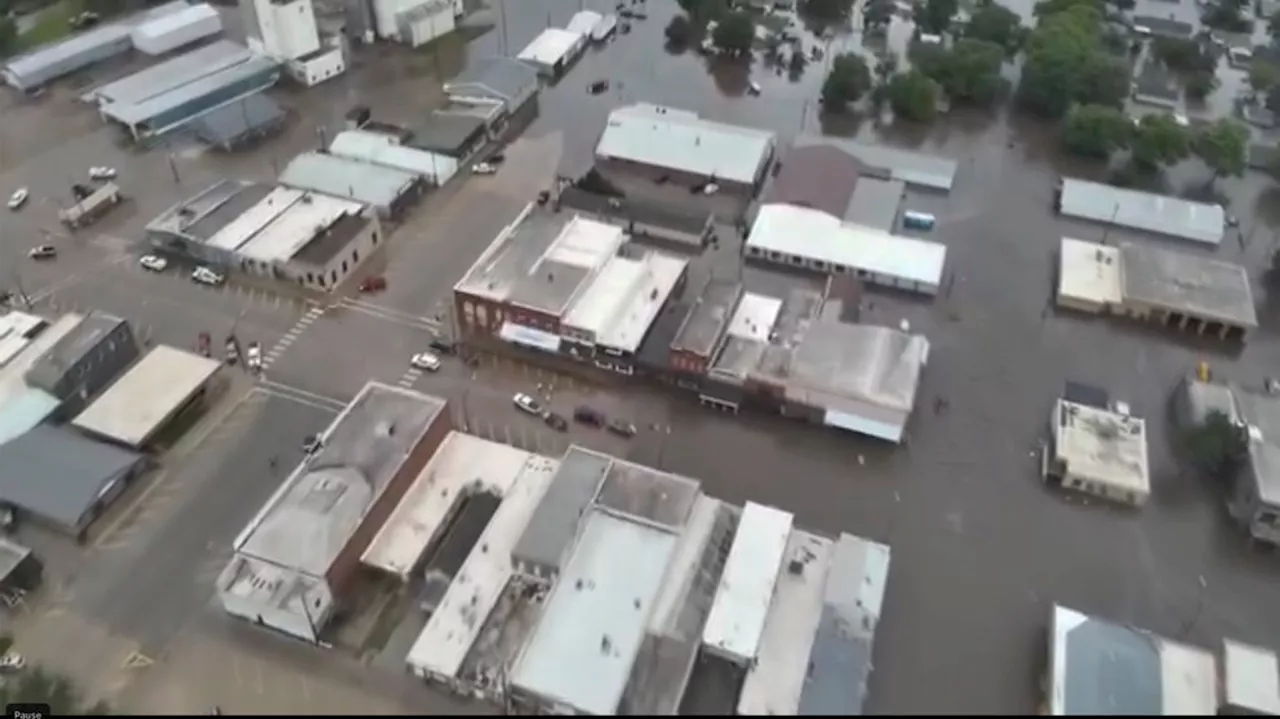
(1099,451)
(678,142)
(544,546)
(552,51)
(463,465)
(502,80)
(741,606)
(875,203)
(1104,668)
(434,168)
(822,178)
(291,231)
(50,62)
(84,361)
(23,407)
(159,387)
(17,331)
(1178,289)
(840,661)
(455,625)
(197,219)
(618,306)
(387,190)
(295,559)
(581,654)
(801,237)
(453,134)
(77,477)
(1250,679)
(1144,211)
(698,340)
(775,681)
(917,169)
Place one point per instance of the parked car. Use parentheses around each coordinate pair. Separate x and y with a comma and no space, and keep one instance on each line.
(588,415)
(102,173)
(556,422)
(525,403)
(425,361)
(42,252)
(443,346)
(232,350)
(155,263)
(12,662)
(622,429)
(19,198)
(375,283)
(206,276)
(253,356)
(484,168)
(599,87)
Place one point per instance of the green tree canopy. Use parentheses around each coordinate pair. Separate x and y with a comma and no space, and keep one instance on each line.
(679,32)
(1228,15)
(1273,25)
(1183,55)
(826,11)
(913,96)
(876,15)
(1158,141)
(970,71)
(1096,130)
(1224,147)
(8,36)
(997,24)
(1263,76)
(701,12)
(848,80)
(735,33)
(1067,64)
(1218,446)
(934,16)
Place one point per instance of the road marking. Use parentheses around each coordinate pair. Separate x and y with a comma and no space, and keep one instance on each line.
(411,375)
(391,315)
(136,660)
(299,395)
(194,442)
(292,335)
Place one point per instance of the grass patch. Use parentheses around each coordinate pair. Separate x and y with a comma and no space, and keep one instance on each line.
(52,23)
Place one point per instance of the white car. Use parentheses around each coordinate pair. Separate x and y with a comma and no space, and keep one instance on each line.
(206,276)
(19,198)
(12,662)
(425,361)
(154,263)
(253,356)
(484,168)
(102,173)
(525,403)
(42,252)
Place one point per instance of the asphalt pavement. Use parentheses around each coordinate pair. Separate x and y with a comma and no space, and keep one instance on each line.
(153,572)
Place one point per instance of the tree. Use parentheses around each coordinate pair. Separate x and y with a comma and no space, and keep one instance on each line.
(679,32)
(797,63)
(1224,147)
(701,12)
(1159,140)
(735,33)
(1263,76)
(848,80)
(971,72)
(1218,446)
(997,24)
(1183,55)
(1228,16)
(1096,130)
(826,11)
(1066,63)
(913,96)
(1273,25)
(935,16)
(1273,98)
(1048,8)
(8,36)
(1199,85)
(876,15)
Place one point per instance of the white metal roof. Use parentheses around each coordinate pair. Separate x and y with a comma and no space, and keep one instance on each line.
(583,649)
(16,332)
(628,328)
(1251,678)
(342,177)
(679,140)
(147,396)
(175,72)
(1102,446)
(242,229)
(583,22)
(594,309)
(775,682)
(551,46)
(585,243)
(292,229)
(165,24)
(463,464)
(742,601)
(1160,214)
(380,150)
(685,567)
(1089,272)
(455,625)
(13,381)
(814,235)
(755,317)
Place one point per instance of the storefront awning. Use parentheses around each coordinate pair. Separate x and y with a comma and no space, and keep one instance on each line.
(529,337)
(862,425)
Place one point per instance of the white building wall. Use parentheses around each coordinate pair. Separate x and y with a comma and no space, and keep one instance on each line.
(386,13)
(288,30)
(423,30)
(343,264)
(289,619)
(316,70)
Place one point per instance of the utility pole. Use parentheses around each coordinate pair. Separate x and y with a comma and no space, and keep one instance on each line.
(502,22)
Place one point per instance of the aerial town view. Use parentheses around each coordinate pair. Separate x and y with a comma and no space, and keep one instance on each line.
(640,356)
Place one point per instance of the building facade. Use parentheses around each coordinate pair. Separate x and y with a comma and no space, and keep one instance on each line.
(82,363)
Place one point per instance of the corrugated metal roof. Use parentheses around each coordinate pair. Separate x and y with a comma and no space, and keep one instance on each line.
(913,168)
(73,473)
(379,150)
(172,74)
(35,61)
(499,77)
(342,177)
(678,140)
(1160,214)
(190,15)
(153,107)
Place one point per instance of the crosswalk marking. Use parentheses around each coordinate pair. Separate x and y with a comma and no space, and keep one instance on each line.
(390,314)
(283,344)
(136,660)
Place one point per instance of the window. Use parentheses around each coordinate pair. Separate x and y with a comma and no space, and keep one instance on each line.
(320,280)
(355,256)
(374,235)
(344,267)
(333,277)
(311,278)
(482,314)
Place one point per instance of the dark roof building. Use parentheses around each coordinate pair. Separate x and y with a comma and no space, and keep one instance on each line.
(201,216)
(449,133)
(819,177)
(62,478)
(84,361)
(241,123)
(497,79)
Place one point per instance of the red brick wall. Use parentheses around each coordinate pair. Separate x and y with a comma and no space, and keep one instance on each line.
(687,362)
(348,561)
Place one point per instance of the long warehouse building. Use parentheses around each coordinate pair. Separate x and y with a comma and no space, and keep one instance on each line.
(170,74)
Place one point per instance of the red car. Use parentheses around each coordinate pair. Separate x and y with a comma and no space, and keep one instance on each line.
(376,283)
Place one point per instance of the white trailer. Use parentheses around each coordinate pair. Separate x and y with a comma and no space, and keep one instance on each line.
(179,29)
